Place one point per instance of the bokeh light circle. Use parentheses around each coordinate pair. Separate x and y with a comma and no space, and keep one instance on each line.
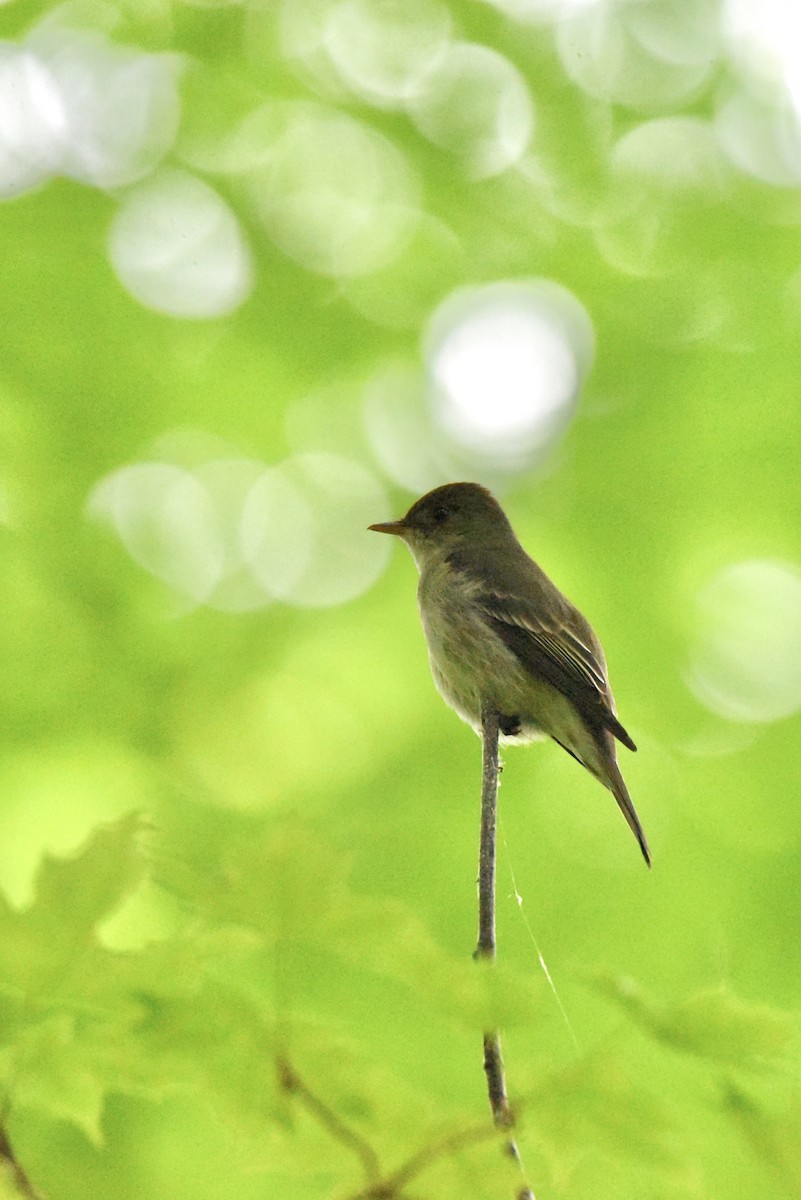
(680,155)
(333,194)
(540,11)
(235,535)
(117,107)
(32,124)
(764,43)
(383,48)
(178,248)
(227,482)
(474,103)
(165,518)
(303,530)
(761,137)
(645,56)
(745,662)
(408,447)
(506,362)
(301,26)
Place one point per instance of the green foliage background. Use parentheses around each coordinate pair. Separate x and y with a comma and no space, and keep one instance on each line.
(236,840)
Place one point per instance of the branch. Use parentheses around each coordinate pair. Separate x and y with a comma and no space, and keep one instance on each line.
(451,1143)
(485,947)
(7,1155)
(291,1082)
(378,1186)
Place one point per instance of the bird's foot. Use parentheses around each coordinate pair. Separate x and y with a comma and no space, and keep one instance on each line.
(510,726)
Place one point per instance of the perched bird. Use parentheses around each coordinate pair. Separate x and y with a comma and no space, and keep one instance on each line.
(501,635)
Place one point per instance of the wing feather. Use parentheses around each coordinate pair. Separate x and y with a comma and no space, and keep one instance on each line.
(562,651)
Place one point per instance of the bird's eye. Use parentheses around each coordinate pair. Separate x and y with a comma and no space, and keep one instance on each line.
(441,514)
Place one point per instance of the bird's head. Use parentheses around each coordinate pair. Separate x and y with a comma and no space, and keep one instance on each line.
(452,518)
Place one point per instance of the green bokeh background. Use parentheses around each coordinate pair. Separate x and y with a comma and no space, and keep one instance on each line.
(301,882)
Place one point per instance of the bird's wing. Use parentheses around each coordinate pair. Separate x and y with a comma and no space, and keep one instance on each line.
(562,651)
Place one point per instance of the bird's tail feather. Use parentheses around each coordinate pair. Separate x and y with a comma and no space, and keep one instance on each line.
(619,790)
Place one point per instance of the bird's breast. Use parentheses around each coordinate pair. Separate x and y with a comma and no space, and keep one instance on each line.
(470,664)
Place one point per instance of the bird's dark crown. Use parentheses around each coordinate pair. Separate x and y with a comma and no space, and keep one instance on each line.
(455,508)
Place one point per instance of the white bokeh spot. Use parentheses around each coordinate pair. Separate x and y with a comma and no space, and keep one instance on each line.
(745,662)
(333,193)
(165,518)
(235,535)
(33,122)
(178,248)
(506,362)
(303,530)
(475,104)
(383,48)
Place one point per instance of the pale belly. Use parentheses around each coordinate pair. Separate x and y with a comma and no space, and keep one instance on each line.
(473,669)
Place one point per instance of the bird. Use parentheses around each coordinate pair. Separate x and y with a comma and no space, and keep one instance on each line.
(502,636)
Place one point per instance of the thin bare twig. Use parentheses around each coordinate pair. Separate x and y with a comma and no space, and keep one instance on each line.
(23,1183)
(502,1114)
(291,1082)
(485,946)
(379,1186)
(451,1143)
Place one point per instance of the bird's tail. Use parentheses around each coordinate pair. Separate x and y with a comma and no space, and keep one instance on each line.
(619,790)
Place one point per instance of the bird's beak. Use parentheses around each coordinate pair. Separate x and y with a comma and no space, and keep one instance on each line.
(397,527)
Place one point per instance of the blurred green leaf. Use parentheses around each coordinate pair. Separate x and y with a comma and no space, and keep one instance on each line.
(42,944)
(713,1024)
(771,1131)
(47,1070)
